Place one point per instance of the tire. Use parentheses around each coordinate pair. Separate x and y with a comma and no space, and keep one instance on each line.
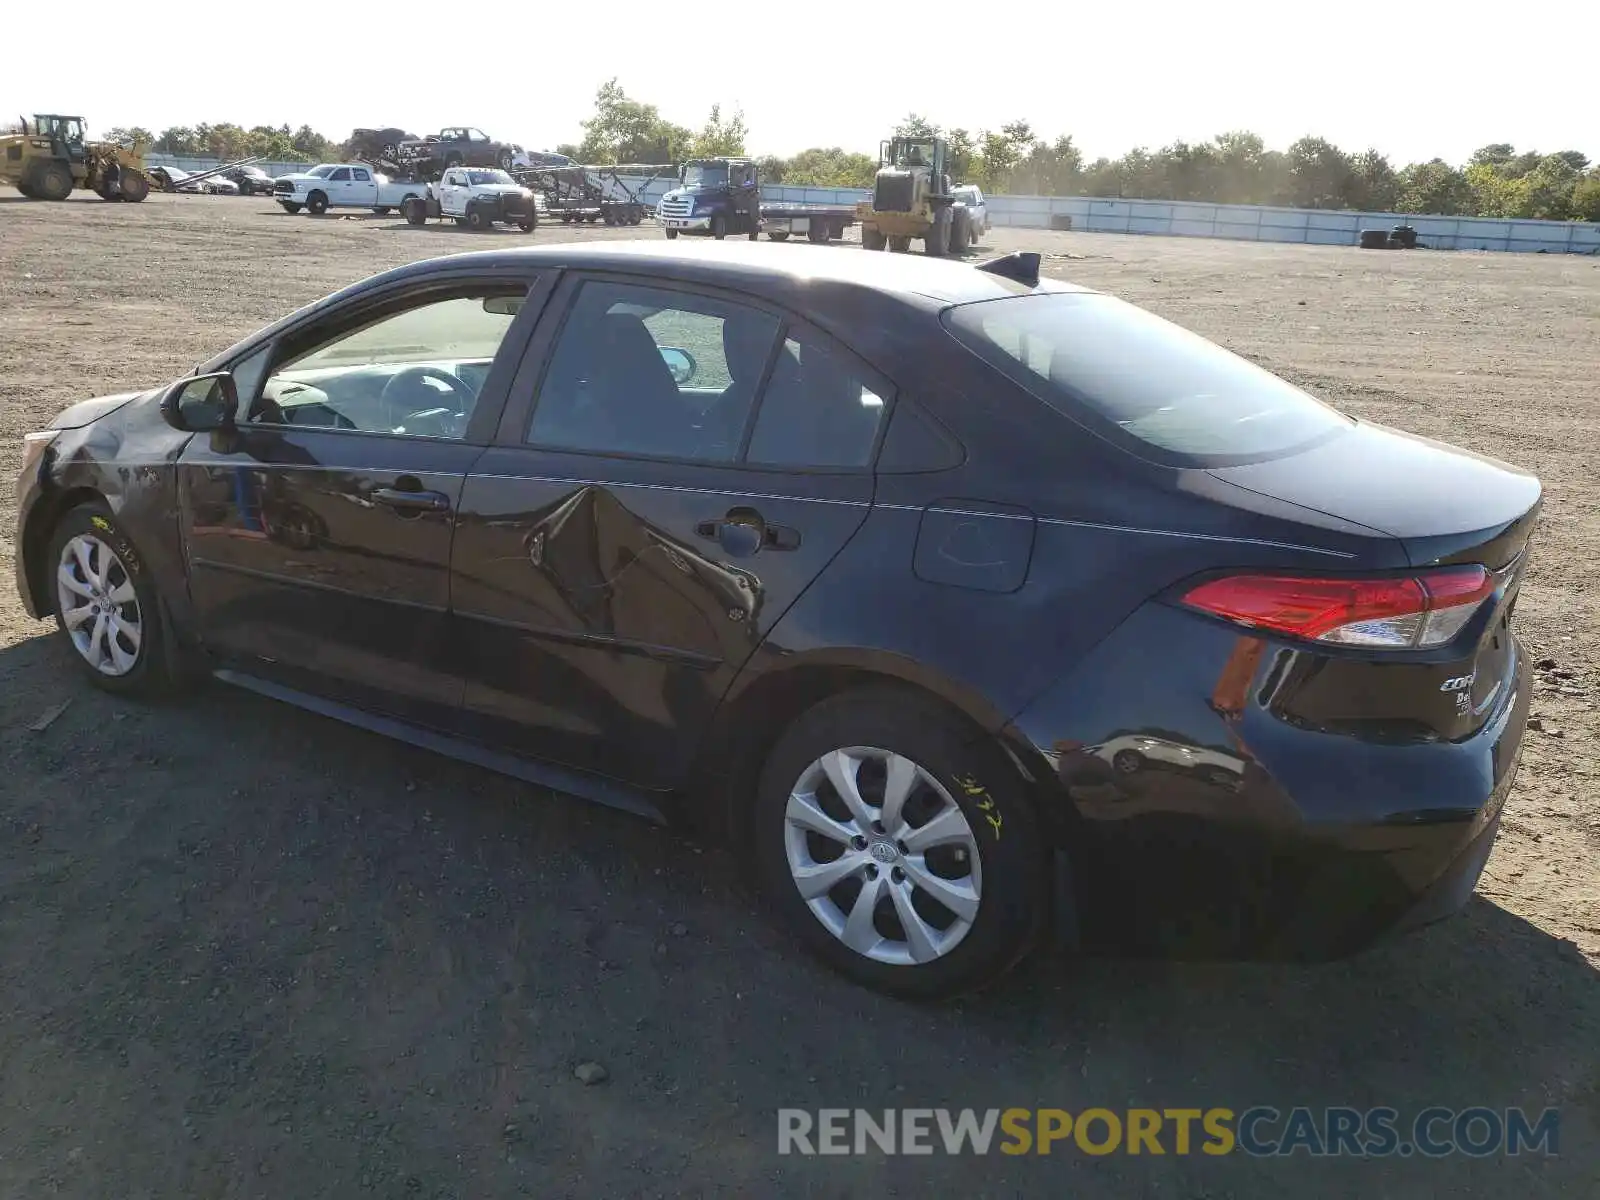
(779,235)
(899,243)
(609,217)
(26,189)
(994,860)
(453,160)
(719,227)
(289,206)
(872,238)
(461,221)
(135,186)
(836,232)
(316,204)
(505,160)
(1128,762)
(816,233)
(936,242)
(478,219)
(529,225)
(416,211)
(52,181)
(671,234)
(960,231)
(754,232)
(128,611)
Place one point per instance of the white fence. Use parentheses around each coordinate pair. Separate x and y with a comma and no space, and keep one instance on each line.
(1256,223)
(1165,218)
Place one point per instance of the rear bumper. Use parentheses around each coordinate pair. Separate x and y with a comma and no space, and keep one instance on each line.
(1316,847)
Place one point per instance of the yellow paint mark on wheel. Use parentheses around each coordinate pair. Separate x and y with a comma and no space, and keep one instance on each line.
(985,802)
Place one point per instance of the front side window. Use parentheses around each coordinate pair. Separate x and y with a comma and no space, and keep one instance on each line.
(416,371)
(817,411)
(342,175)
(1155,388)
(647,371)
(320,172)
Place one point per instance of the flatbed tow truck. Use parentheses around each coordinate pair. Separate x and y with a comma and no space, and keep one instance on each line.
(716,197)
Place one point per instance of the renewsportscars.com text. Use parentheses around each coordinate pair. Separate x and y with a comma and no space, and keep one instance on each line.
(1259,1131)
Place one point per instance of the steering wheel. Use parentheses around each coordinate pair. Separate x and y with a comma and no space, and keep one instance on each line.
(405,395)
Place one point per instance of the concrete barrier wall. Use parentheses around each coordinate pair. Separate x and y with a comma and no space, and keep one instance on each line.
(1182,218)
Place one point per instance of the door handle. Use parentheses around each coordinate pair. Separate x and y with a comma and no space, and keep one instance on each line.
(744,531)
(412,501)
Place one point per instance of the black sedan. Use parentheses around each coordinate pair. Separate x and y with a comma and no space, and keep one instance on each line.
(977,610)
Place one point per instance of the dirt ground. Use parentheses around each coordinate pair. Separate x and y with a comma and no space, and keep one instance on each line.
(247,952)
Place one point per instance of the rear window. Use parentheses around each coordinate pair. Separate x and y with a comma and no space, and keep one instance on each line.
(1157,389)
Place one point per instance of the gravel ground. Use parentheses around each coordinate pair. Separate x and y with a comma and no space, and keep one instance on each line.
(247,952)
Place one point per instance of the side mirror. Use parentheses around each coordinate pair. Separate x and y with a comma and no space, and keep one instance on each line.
(201,403)
(680,362)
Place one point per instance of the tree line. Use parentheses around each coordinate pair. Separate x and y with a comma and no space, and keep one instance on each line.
(1232,168)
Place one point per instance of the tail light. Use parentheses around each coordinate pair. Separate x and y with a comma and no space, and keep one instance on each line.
(1406,612)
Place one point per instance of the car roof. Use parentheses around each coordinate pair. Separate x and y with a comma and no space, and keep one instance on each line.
(763,267)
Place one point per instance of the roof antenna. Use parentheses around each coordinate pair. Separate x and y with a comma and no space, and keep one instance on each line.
(1021,265)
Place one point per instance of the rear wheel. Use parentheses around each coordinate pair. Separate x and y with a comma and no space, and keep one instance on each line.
(899,243)
(960,231)
(817,231)
(872,238)
(1128,762)
(416,211)
(936,242)
(505,160)
(52,181)
(898,846)
(106,607)
(779,235)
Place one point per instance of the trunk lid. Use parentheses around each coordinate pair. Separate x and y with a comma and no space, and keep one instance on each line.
(1442,503)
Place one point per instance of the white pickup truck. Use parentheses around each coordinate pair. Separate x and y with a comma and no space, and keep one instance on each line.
(341,185)
(476,197)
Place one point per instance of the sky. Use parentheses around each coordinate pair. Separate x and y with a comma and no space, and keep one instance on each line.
(1112,76)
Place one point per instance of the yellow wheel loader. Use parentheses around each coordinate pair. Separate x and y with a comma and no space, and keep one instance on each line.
(50,157)
(911,198)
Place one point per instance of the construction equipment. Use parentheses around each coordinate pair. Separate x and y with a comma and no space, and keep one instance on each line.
(614,193)
(912,198)
(50,158)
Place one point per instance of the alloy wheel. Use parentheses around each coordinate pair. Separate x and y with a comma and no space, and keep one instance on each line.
(99,605)
(882,855)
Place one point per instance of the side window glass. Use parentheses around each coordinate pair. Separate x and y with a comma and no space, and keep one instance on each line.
(418,371)
(363,177)
(641,370)
(818,411)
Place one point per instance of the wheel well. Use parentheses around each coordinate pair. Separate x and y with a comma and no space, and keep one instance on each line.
(731,761)
(42,522)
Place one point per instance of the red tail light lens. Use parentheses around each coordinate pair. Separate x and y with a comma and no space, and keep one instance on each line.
(1406,612)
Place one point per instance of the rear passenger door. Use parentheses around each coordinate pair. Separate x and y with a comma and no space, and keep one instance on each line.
(674,469)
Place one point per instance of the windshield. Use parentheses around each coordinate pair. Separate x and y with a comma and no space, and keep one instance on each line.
(323,171)
(913,154)
(705,175)
(1161,391)
(477,177)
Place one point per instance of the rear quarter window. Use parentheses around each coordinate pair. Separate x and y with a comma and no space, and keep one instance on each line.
(1152,387)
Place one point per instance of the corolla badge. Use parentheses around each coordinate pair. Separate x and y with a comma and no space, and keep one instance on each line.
(1458,684)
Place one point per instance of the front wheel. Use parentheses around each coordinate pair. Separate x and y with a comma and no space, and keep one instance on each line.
(671,234)
(106,607)
(872,238)
(899,846)
(529,225)
(316,204)
(719,227)
(779,235)
(135,186)
(289,206)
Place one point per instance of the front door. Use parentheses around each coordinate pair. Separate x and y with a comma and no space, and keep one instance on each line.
(318,530)
(690,463)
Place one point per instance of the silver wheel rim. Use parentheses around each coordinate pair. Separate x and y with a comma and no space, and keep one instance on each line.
(99,606)
(882,856)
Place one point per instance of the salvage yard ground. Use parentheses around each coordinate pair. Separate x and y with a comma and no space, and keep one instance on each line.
(248,952)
